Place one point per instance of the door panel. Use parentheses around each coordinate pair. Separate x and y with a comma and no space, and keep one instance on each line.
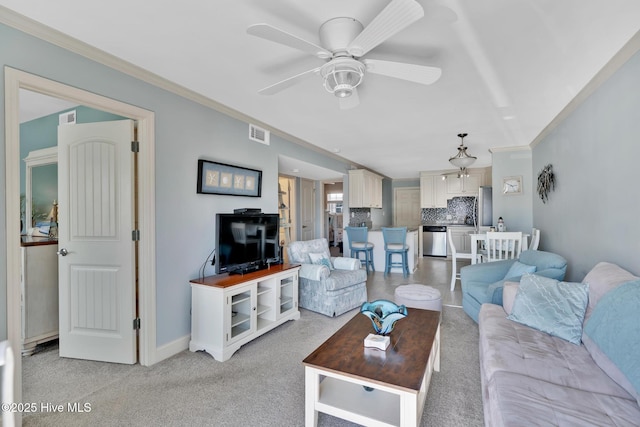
(97,281)
(307,209)
(407,207)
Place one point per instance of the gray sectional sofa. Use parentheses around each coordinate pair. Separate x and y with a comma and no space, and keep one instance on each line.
(534,378)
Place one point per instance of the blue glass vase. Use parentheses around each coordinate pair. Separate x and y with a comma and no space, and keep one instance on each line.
(383,314)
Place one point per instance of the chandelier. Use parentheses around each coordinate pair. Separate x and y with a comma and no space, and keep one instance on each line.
(342,75)
(462,160)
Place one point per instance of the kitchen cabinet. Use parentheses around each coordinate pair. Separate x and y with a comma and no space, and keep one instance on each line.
(365,189)
(433,191)
(466,185)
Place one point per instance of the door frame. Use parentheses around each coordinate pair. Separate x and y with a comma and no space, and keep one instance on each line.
(16,80)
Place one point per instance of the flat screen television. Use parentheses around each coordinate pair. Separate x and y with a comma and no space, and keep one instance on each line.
(246,242)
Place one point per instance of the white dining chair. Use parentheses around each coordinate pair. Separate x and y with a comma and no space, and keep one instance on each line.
(535,239)
(501,245)
(6,362)
(455,255)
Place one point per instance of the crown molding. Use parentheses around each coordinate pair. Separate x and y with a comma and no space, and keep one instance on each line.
(513,148)
(55,37)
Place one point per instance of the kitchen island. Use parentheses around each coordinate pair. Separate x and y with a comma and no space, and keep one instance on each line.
(375,237)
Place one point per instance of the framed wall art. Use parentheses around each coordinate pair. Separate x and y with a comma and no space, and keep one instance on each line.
(220,178)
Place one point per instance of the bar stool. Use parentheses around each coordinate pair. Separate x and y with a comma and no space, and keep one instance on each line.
(395,243)
(358,244)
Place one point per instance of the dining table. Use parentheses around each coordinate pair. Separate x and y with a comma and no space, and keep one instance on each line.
(476,238)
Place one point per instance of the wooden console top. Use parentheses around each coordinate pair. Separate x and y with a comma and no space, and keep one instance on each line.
(226,280)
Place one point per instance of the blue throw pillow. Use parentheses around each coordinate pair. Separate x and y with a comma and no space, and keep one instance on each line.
(614,326)
(518,269)
(547,305)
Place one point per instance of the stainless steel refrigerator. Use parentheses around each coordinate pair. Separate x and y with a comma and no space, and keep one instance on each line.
(485,207)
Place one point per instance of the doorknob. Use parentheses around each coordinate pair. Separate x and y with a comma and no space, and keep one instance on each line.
(63,252)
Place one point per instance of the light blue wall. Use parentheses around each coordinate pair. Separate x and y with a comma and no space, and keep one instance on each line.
(515,209)
(185,131)
(593,214)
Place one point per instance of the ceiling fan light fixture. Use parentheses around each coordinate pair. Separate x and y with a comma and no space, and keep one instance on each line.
(462,160)
(343,90)
(342,75)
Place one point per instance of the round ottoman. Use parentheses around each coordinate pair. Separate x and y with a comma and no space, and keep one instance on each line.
(419,296)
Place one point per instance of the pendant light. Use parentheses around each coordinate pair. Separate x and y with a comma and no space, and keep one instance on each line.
(462,160)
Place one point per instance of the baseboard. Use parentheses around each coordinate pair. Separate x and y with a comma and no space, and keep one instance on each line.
(171,349)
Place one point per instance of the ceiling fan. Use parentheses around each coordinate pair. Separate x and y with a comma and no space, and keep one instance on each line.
(343,43)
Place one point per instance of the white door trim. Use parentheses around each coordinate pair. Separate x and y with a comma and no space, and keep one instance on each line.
(14,81)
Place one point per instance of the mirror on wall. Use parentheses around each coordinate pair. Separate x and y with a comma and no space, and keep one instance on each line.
(41,188)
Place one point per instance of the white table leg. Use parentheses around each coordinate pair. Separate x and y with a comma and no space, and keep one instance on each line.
(311,393)
(474,249)
(409,410)
(436,363)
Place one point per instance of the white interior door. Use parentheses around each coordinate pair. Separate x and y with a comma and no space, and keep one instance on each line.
(307,209)
(407,207)
(96,219)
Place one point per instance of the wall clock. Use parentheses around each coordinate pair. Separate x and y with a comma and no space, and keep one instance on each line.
(512,185)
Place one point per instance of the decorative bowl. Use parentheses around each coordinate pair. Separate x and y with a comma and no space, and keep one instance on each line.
(383,314)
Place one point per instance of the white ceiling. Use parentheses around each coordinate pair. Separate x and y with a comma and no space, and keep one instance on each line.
(34,105)
(508,67)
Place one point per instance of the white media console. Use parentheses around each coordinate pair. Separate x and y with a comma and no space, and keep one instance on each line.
(227,311)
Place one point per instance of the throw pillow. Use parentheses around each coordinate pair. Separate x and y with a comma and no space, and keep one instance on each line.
(518,269)
(615,330)
(509,292)
(320,259)
(547,305)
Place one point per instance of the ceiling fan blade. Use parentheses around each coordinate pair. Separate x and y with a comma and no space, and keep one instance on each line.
(400,70)
(397,16)
(277,35)
(281,85)
(350,101)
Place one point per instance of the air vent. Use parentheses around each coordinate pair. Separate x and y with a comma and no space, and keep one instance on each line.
(67,118)
(258,134)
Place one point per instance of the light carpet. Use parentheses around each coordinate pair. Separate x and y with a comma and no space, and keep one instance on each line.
(261,385)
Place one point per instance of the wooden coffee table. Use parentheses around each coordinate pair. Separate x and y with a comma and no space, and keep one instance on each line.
(338,371)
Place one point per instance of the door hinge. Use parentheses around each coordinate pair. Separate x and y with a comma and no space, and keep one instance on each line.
(135,146)
(136,324)
(135,235)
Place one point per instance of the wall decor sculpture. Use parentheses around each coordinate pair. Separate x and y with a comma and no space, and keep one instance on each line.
(546,182)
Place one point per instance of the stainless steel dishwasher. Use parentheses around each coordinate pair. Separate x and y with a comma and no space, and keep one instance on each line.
(434,240)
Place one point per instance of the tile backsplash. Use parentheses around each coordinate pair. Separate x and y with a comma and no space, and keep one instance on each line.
(357,216)
(461,209)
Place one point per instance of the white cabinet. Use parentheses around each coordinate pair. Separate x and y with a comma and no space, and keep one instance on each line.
(39,289)
(365,189)
(433,191)
(466,185)
(229,311)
